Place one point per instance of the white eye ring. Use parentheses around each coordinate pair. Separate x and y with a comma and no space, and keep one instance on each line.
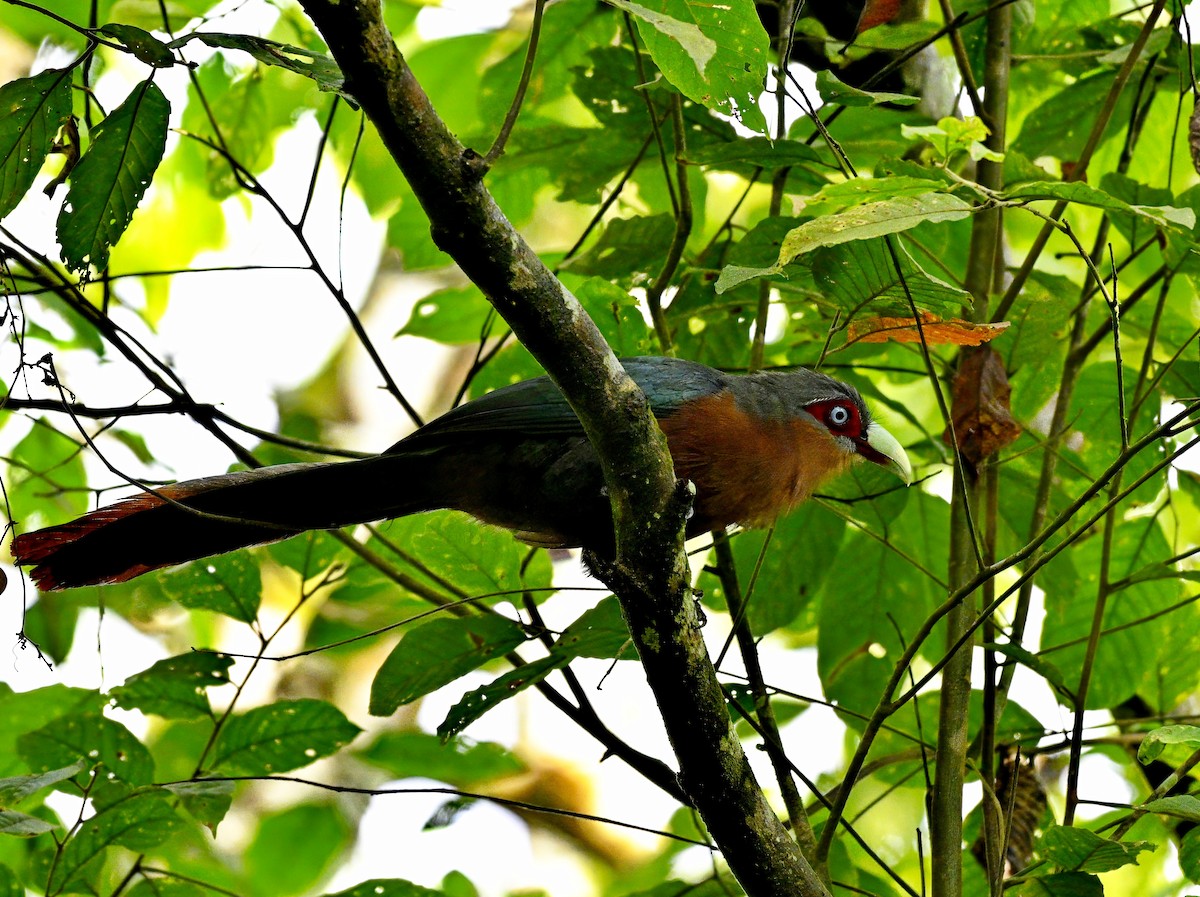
(839,416)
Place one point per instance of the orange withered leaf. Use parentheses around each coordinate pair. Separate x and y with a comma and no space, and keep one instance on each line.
(876,12)
(954,331)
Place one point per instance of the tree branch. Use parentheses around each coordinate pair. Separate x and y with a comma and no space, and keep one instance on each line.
(649,573)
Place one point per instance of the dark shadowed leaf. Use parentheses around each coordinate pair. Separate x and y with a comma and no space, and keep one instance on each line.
(31,112)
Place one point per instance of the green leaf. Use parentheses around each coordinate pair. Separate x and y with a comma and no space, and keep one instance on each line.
(618,316)
(15,789)
(479,701)
(164,887)
(627,247)
(174,688)
(23,825)
(598,632)
(273,865)
(873,219)
(111,178)
(805,546)
(282,736)
(48,479)
(229,584)
(1087,195)
(715,54)
(1189,855)
(1181,806)
(476,560)
(457,762)
(142,44)
(436,654)
(1079,850)
(455,315)
(31,112)
(90,738)
(1176,742)
(388,887)
(207,802)
(9,885)
(833,90)
(863,276)
(140,821)
(318,67)
(1060,884)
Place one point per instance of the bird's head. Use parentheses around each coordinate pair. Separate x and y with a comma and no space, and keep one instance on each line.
(848,421)
(835,406)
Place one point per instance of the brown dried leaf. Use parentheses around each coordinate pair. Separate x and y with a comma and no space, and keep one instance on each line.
(954,331)
(980,410)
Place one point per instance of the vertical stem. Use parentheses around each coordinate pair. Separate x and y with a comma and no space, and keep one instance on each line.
(779,181)
(946,806)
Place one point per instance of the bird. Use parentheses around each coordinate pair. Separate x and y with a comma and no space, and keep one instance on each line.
(754,446)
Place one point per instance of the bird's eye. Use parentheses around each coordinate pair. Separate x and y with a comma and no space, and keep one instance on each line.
(839,416)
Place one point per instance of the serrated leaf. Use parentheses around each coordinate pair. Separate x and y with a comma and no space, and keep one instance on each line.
(15,789)
(208,802)
(714,53)
(436,654)
(318,67)
(174,688)
(229,584)
(282,736)
(1080,850)
(479,701)
(31,112)
(111,178)
(22,825)
(873,219)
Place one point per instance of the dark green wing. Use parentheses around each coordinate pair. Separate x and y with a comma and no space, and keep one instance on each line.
(537,408)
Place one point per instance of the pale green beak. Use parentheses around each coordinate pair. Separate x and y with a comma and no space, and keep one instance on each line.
(883,448)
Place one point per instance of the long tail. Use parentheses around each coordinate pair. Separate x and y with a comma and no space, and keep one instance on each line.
(198,518)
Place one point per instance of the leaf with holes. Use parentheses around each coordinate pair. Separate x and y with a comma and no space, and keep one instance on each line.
(31,112)
(282,736)
(174,688)
(111,178)
(714,53)
(872,219)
